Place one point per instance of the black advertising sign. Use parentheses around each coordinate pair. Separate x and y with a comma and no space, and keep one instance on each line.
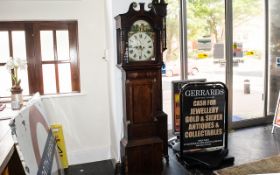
(176,87)
(203,116)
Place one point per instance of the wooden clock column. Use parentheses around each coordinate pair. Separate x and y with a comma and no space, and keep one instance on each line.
(140,44)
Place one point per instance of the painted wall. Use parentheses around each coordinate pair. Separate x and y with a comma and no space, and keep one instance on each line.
(92,120)
(85,117)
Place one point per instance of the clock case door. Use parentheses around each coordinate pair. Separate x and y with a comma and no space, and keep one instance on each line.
(143,104)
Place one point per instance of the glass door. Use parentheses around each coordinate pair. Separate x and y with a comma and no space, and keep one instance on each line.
(226,41)
(248,60)
(229,46)
(274,60)
(206,40)
(171,70)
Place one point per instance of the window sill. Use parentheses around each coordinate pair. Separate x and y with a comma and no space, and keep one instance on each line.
(27,98)
(62,95)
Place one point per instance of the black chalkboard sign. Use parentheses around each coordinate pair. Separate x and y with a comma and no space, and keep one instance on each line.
(203,117)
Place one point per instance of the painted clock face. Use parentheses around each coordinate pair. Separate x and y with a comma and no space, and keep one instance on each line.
(140,42)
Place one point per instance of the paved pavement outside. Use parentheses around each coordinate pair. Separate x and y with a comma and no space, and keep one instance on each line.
(245,106)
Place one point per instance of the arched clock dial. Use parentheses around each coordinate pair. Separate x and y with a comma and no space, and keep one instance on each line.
(140,47)
(141,42)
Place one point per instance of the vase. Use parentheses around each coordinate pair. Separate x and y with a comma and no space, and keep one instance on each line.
(16,98)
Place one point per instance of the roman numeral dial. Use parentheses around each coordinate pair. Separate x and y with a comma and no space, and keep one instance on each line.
(140,47)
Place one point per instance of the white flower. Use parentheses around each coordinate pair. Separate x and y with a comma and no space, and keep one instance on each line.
(12,65)
(20,63)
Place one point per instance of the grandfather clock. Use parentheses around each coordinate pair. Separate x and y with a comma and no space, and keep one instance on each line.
(140,44)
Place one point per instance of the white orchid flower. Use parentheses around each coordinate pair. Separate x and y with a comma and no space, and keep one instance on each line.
(10,64)
(14,64)
(20,63)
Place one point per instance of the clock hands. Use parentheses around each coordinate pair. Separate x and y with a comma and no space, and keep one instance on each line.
(140,46)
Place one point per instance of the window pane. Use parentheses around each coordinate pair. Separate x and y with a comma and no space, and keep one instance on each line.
(19,45)
(24,81)
(47,50)
(206,40)
(49,79)
(6,82)
(4,46)
(274,59)
(171,69)
(248,59)
(62,39)
(65,78)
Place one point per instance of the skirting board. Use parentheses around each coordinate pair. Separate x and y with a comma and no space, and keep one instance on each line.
(89,155)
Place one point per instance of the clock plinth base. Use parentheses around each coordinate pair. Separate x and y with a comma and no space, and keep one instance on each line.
(142,156)
(162,132)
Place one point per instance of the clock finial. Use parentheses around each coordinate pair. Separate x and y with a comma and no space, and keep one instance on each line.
(155,2)
(160,8)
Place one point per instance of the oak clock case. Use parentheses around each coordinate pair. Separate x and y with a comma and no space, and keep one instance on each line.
(140,44)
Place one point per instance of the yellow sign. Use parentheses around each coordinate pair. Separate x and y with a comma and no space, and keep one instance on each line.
(177,98)
(250,53)
(58,134)
(202,55)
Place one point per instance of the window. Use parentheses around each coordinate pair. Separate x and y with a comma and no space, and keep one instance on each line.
(51,52)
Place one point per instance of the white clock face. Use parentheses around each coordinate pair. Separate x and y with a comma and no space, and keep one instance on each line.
(140,47)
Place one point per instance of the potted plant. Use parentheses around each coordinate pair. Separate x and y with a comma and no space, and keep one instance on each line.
(13,64)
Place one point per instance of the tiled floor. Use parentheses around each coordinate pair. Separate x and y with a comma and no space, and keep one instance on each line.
(245,145)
